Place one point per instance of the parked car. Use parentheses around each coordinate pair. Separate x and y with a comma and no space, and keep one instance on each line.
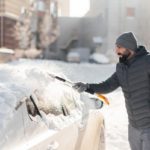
(77,55)
(73,57)
(39,113)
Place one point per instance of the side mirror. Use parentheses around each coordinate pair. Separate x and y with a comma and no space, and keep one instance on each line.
(98,103)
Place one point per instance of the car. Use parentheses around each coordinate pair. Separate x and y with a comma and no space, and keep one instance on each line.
(73,57)
(38,112)
(77,55)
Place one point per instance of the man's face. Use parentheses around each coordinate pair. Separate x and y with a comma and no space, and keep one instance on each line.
(122,52)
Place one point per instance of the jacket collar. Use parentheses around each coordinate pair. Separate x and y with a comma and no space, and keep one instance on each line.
(141,51)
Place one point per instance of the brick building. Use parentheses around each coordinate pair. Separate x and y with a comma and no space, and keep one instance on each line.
(9,14)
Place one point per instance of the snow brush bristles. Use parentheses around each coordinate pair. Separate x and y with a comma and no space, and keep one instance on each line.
(103,98)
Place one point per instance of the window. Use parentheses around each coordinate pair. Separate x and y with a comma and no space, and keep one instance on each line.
(130,12)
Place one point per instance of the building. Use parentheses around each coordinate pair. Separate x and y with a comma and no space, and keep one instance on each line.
(37,23)
(108,19)
(63,7)
(9,14)
(82,29)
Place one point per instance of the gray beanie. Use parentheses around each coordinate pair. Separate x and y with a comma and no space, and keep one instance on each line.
(127,40)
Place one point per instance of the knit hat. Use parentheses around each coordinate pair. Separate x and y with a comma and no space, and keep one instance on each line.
(127,40)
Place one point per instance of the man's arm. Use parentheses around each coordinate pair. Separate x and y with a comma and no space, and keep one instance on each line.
(107,86)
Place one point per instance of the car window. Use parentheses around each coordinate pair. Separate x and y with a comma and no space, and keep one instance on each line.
(51,102)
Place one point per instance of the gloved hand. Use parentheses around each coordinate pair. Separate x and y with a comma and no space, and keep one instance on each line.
(80,87)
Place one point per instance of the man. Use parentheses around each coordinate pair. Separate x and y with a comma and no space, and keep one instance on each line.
(133,76)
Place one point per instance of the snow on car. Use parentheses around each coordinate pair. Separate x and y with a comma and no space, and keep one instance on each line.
(40,113)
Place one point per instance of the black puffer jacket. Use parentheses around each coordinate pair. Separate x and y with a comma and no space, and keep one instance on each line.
(134,78)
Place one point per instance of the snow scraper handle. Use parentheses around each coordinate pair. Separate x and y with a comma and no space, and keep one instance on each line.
(60,79)
(100,96)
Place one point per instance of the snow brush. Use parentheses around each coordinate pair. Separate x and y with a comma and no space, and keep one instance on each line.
(100,96)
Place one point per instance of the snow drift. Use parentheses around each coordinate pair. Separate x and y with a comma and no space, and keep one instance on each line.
(19,80)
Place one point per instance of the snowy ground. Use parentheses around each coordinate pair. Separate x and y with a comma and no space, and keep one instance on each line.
(115,114)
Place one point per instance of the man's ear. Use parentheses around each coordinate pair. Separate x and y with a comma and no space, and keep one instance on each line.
(131,53)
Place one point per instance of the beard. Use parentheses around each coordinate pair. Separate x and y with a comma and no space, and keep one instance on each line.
(124,57)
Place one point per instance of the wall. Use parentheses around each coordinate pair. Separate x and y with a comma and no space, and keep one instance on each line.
(11,11)
(7,38)
(97,7)
(143,23)
(69,30)
(83,29)
(64,8)
(92,27)
(13,7)
(121,17)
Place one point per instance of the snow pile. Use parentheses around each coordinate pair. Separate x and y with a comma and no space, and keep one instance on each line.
(6,51)
(19,80)
(116,122)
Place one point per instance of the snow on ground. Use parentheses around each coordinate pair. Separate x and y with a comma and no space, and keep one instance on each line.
(116,123)
(115,115)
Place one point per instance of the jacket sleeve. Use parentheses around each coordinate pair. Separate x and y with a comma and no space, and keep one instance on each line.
(107,86)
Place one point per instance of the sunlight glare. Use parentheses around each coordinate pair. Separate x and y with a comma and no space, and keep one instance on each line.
(78,8)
